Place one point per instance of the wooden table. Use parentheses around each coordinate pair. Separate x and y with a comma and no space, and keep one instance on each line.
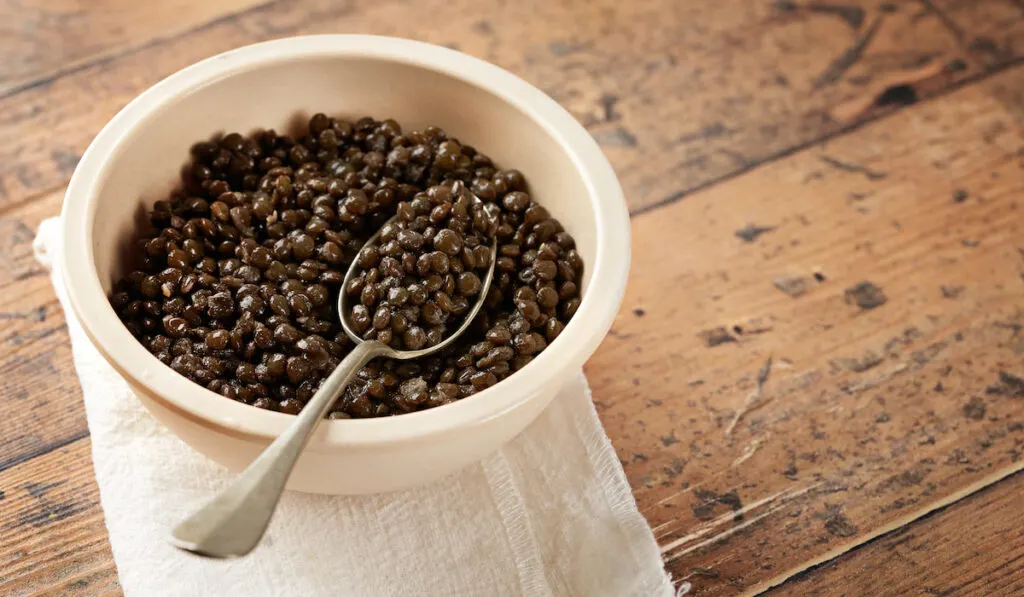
(816,381)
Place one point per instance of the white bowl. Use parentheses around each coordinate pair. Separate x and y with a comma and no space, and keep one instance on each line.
(136,159)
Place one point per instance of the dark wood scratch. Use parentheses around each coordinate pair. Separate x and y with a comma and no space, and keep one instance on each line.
(616,137)
(750,232)
(607,103)
(854,168)
(848,58)
(947,22)
(711,131)
(37,314)
(763,374)
(851,14)
(6,463)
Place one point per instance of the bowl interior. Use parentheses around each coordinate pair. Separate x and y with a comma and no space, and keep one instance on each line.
(283,94)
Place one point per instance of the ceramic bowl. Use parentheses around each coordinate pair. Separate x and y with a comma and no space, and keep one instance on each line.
(137,158)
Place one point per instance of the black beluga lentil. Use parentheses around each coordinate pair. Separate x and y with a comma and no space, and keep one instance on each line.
(239,274)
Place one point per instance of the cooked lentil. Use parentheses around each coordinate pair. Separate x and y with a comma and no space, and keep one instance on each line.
(239,274)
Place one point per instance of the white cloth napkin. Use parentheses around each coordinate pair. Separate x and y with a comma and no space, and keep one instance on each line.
(549,515)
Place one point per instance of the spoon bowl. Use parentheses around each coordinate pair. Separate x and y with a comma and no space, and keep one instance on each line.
(233,522)
(391,353)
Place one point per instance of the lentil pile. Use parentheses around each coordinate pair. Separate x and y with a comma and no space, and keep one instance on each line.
(239,273)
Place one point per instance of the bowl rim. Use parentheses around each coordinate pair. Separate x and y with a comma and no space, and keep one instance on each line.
(139,367)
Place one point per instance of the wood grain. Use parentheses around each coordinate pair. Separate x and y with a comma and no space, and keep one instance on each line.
(843,343)
(972,548)
(50,126)
(709,90)
(37,378)
(871,411)
(990,31)
(43,40)
(52,527)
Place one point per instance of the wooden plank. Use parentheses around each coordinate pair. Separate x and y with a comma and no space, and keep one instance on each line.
(37,379)
(991,31)
(895,368)
(970,548)
(52,126)
(54,537)
(706,91)
(99,580)
(43,40)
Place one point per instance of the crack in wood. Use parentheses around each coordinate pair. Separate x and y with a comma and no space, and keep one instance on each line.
(130,50)
(849,57)
(946,21)
(755,400)
(853,168)
(898,528)
(841,131)
(851,14)
(43,450)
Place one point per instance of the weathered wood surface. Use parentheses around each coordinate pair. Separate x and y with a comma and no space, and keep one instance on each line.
(43,41)
(52,525)
(972,548)
(37,378)
(872,141)
(681,94)
(893,380)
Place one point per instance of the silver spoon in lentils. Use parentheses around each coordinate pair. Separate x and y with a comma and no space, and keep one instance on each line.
(386,317)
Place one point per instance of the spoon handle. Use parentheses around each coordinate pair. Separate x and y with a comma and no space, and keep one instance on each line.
(233,522)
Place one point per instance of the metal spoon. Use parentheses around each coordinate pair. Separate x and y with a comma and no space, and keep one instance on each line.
(233,523)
